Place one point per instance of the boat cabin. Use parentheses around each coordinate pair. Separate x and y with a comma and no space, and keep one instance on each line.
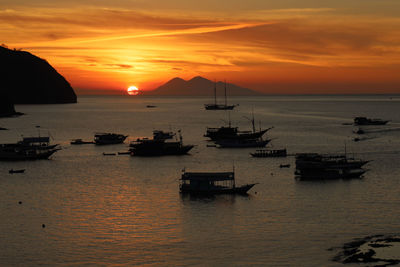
(35,141)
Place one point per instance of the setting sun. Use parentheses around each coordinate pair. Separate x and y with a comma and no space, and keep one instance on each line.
(133,90)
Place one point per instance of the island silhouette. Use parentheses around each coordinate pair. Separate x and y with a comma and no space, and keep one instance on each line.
(198,86)
(28,79)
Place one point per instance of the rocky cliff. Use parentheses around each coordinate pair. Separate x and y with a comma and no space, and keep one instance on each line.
(28,79)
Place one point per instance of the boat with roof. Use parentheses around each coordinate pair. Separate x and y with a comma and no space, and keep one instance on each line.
(109,138)
(211,183)
(232,137)
(158,147)
(328,166)
(30,148)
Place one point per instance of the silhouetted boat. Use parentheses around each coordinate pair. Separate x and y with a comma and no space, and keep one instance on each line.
(150,106)
(109,154)
(234,133)
(322,174)
(359,131)
(269,153)
(318,166)
(80,142)
(367,121)
(158,147)
(109,138)
(216,106)
(14,153)
(242,143)
(211,183)
(284,166)
(315,161)
(16,171)
(36,142)
(30,148)
(3,129)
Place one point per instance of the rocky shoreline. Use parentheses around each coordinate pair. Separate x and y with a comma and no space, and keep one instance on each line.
(381,250)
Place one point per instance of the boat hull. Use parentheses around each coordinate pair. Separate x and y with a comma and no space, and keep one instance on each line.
(21,156)
(110,142)
(16,171)
(160,151)
(241,143)
(219,107)
(216,190)
(330,174)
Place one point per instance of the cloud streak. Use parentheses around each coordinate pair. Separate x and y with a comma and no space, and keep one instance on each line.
(99,40)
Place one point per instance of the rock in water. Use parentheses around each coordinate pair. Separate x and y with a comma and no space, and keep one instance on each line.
(28,79)
(6,107)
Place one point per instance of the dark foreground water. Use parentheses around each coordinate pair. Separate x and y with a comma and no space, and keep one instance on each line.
(124,211)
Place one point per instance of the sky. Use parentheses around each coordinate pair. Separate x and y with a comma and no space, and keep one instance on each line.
(275,47)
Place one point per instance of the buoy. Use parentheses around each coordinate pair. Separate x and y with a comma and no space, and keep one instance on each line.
(20,202)
(43,225)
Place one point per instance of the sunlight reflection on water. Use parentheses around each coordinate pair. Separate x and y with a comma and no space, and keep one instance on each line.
(122,210)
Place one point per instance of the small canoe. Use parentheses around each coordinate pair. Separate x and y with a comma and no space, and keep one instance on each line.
(16,171)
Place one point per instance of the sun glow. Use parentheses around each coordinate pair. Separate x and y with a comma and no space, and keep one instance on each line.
(133,90)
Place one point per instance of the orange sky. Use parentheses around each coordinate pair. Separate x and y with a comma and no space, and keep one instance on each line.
(285,47)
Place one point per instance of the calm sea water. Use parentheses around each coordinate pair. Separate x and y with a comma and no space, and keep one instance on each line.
(124,211)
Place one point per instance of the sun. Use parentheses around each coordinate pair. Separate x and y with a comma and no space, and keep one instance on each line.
(133,90)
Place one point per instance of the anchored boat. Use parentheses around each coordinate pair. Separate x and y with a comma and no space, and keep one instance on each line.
(269,153)
(315,166)
(216,106)
(158,147)
(12,171)
(211,183)
(368,121)
(30,148)
(80,142)
(109,138)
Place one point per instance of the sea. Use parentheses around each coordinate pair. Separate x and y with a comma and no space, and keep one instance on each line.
(81,208)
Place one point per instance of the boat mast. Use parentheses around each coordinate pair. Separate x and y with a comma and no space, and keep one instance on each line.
(215,92)
(38,127)
(233,170)
(226,102)
(252,121)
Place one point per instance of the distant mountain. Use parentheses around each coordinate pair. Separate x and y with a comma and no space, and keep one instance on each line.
(199,86)
(28,79)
